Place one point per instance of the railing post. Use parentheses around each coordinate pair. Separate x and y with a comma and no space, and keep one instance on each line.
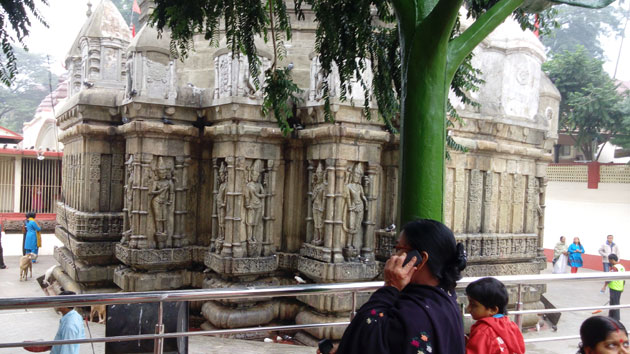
(354,305)
(519,306)
(158,344)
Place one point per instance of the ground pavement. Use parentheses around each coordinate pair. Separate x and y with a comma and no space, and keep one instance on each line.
(20,325)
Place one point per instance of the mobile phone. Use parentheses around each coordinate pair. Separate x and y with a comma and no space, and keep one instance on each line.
(325,346)
(410,255)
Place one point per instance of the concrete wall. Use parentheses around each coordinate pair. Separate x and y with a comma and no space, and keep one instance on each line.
(590,214)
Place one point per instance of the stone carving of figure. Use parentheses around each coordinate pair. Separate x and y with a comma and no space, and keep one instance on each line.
(162,194)
(355,207)
(128,200)
(319,201)
(221,202)
(254,203)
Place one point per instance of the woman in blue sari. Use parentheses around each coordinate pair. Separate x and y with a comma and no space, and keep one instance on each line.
(575,255)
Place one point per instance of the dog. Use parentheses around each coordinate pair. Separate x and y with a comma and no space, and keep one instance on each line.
(97,309)
(26,264)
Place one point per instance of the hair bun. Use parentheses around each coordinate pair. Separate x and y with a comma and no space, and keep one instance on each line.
(461,258)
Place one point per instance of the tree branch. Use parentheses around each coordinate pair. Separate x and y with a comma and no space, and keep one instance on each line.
(406,13)
(441,20)
(460,47)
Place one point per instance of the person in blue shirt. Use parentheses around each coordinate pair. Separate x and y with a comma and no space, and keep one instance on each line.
(31,244)
(575,255)
(70,327)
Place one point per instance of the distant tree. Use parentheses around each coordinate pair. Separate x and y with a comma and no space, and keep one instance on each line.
(15,23)
(585,27)
(19,101)
(623,138)
(592,111)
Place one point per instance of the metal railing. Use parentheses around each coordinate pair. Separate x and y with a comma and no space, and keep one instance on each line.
(278,291)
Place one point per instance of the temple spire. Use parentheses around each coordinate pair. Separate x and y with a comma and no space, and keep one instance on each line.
(89,10)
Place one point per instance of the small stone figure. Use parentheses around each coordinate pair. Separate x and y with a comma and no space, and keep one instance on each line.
(128,201)
(254,203)
(221,203)
(356,205)
(162,194)
(319,200)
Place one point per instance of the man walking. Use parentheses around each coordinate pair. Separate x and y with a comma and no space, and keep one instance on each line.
(616,286)
(70,327)
(609,247)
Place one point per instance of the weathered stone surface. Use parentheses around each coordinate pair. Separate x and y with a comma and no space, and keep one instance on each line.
(334,333)
(334,303)
(81,272)
(90,226)
(94,253)
(129,280)
(241,266)
(336,272)
(154,259)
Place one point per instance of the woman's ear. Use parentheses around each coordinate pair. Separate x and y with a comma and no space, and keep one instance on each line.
(425,259)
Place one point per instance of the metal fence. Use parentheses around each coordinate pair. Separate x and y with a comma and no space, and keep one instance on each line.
(161,297)
(7,175)
(41,185)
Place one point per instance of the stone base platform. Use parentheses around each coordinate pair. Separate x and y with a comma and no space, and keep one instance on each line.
(241,266)
(332,303)
(319,253)
(154,259)
(129,280)
(81,272)
(333,333)
(337,272)
(93,252)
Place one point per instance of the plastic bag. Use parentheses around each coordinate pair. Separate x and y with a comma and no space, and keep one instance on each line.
(561,265)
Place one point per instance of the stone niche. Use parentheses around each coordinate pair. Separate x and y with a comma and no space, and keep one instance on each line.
(174,178)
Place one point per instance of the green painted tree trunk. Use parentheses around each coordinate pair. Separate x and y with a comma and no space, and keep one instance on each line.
(429,62)
(423,132)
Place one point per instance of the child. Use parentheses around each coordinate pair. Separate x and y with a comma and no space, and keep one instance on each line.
(493,332)
(616,286)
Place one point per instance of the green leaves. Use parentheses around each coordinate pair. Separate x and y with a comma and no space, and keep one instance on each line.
(14,16)
(280,97)
(591,110)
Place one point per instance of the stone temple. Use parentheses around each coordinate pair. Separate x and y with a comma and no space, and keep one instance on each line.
(173,178)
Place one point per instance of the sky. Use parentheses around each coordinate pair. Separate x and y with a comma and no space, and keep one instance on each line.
(65,18)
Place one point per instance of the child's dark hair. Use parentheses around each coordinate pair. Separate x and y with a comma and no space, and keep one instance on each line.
(613,257)
(596,329)
(447,258)
(67,292)
(490,293)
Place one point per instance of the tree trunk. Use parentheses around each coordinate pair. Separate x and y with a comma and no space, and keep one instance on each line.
(422,130)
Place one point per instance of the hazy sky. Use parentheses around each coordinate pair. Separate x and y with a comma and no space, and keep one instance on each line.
(65,18)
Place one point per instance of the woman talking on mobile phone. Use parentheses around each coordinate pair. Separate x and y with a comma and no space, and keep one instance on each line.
(416,311)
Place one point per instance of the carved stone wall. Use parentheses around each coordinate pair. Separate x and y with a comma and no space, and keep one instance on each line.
(173,177)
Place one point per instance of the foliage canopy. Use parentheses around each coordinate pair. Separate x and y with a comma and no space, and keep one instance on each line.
(592,110)
(15,23)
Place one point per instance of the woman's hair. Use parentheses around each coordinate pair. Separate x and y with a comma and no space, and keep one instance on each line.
(579,243)
(30,214)
(596,329)
(446,257)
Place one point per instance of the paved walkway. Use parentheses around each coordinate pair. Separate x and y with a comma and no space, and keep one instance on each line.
(21,325)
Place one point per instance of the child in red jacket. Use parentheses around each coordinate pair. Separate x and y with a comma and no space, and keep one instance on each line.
(493,332)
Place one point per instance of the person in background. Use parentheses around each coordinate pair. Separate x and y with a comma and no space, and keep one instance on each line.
(607,248)
(2,265)
(560,249)
(494,332)
(416,311)
(70,327)
(575,255)
(616,286)
(33,239)
(603,335)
